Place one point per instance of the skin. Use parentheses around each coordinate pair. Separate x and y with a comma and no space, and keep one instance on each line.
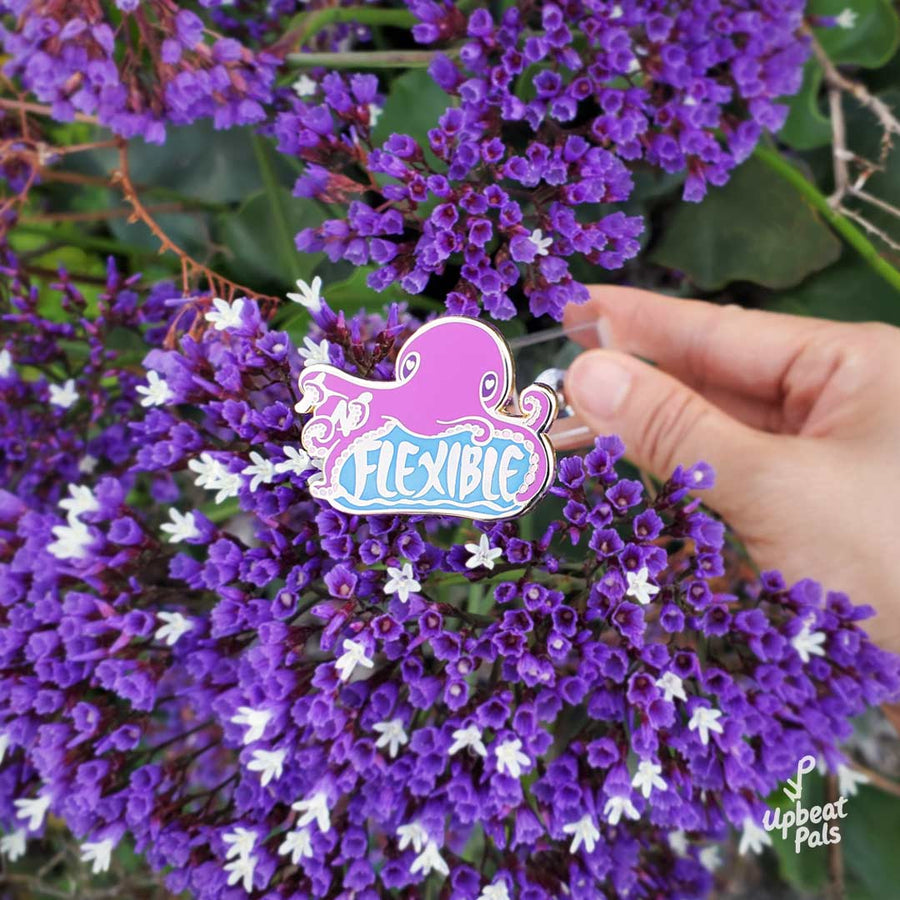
(799,417)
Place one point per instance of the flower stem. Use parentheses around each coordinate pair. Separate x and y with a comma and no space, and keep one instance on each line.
(364,59)
(841,224)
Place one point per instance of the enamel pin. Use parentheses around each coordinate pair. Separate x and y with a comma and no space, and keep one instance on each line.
(442,438)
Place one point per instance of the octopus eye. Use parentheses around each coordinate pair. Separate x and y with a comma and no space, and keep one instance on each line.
(489,385)
(410,364)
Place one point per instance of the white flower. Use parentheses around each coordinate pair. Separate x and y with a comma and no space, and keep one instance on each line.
(639,587)
(414,834)
(64,396)
(255,720)
(584,832)
(313,352)
(678,842)
(647,778)
(753,838)
(174,626)
(314,809)
(33,809)
(5,363)
(296,462)
(615,806)
(705,719)
(401,582)
(298,843)
(429,860)
(262,470)
(354,655)
(12,846)
(849,780)
(672,686)
(212,475)
(310,295)
(81,500)
(375,112)
(181,528)
(846,18)
(87,464)
(543,244)
(229,486)
(808,642)
(98,853)
(495,891)
(156,392)
(224,314)
(392,735)
(241,870)
(240,842)
(510,758)
(209,470)
(709,858)
(269,763)
(482,554)
(4,745)
(470,736)
(304,86)
(72,541)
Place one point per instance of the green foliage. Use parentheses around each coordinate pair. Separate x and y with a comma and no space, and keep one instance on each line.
(754,229)
(807,126)
(871,43)
(871,865)
(848,291)
(413,107)
(258,239)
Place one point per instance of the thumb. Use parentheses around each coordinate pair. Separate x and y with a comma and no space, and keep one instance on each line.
(663,423)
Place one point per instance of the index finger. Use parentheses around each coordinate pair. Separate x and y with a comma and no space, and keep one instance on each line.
(701,343)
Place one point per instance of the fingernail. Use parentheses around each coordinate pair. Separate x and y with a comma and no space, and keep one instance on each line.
(604,332)
(598,385)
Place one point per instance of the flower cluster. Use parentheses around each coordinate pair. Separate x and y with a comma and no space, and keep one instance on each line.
(271,697)
(547,109)
(173,73)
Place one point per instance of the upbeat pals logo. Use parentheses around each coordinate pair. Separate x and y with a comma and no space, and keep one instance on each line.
(816,826)
(441,438)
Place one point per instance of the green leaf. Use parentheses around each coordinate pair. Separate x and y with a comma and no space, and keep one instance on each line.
(73,259)
(807,127)
(869,842)
(756,228)
(868,846)
(259,239)
(848,291)
(280,203)
(352,294)
(413,107)
(196,161)
(870,42)
(808,869)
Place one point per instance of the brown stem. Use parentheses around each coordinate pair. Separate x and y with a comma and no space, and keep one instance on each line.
(218,284)
(835,853)
(876,779)
(95,215)
(39,109)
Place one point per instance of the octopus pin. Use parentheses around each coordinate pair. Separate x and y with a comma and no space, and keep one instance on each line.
(440,439)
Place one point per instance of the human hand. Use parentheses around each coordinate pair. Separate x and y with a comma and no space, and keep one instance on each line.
(799,417)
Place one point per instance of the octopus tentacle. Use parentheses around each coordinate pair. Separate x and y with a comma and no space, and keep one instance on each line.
(538,403)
